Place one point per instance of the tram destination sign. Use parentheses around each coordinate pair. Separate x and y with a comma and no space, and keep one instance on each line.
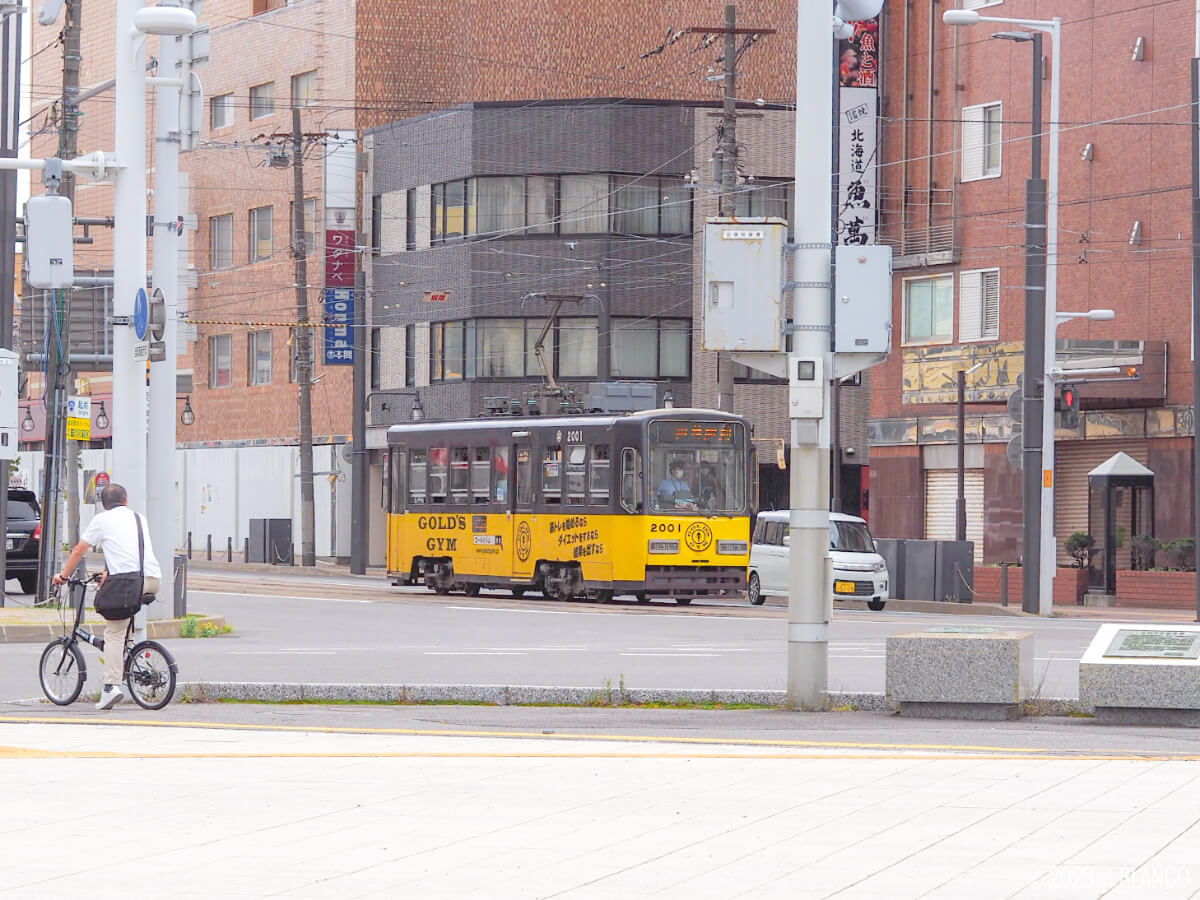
(1157,644)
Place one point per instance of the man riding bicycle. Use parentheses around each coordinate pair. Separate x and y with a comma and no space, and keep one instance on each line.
(124,537)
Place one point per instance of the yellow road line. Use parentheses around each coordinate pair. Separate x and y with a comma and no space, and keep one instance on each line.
(559,736)
(37,753)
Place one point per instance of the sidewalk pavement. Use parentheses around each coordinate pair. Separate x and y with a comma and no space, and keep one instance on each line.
(221,809)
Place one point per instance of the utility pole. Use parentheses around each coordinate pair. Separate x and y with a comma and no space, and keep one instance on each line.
(10,117)
(58,357)
(161,512)
(303,348)
(68,148)
(727,153)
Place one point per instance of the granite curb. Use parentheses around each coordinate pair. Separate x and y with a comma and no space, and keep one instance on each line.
(532,695)
(158,629)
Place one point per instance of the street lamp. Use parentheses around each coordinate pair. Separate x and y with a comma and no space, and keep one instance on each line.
(27,423)
(1041,301)
(187,417)
(668,399)
(101,416)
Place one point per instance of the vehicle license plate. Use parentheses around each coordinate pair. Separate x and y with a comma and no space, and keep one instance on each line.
(843,587)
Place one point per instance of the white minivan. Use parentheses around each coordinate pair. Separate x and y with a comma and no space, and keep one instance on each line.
(858,571)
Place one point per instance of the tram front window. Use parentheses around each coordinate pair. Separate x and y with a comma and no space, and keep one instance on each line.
(697,467)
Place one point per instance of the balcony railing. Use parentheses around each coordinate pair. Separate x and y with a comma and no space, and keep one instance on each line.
(923,223)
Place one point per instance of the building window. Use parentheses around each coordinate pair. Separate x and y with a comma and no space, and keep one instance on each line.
(578,347)
(453,211)
(979,4)
(220,361)
(635,205)
(763,198)
(651,348)
(981,141)
(220,111)
(258,356)
(262,237)
(220,241)
(583,204)
(501,348)
(541,204)
(376,224)
(410,219)
(410,356)
(262,100)
(501,206)
(979,305)
(262,6)
(929,310)
(304,89)
(310,223)
(376,369)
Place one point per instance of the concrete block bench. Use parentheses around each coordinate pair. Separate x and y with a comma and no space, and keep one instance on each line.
(1143,674)
(960,672)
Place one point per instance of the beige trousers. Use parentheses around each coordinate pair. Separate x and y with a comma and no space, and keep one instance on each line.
(114,640)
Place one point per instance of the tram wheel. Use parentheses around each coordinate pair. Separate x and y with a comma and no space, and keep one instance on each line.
(518,591)
(472,590)
(604,596)
(684,601)
(641,597)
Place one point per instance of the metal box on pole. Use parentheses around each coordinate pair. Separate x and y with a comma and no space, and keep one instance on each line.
(863,291)
(743,284)
(49,242)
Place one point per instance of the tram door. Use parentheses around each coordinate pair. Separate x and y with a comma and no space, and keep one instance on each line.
(522,510)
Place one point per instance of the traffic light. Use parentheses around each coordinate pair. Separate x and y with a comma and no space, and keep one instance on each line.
(1070,406)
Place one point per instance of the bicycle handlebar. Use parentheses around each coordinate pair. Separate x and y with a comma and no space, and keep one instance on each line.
(77,582)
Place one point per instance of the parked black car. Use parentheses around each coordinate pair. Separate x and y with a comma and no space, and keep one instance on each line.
(24,538)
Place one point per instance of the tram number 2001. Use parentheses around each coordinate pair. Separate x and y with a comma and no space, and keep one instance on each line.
(665,527)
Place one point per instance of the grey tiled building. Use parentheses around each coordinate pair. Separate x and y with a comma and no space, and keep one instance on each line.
(481,210)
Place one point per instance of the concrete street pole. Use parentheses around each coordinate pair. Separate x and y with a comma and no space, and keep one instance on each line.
(129,255)
(1049,552)
(160,508)
(808,597)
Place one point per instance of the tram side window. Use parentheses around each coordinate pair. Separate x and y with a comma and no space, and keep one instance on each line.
(552,474)
(481,469)
(600,475)
(397,479)
(460,475)
(417,472)
(524,476)
(577,474)
(631,483)
(500,475)
(385,495)
(439,458)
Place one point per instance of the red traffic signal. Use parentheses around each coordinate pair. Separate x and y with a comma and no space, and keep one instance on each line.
(1069,404)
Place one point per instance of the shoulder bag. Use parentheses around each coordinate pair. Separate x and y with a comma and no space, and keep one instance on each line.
(121,595)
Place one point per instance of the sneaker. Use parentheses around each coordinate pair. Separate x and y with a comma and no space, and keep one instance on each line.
(111,696)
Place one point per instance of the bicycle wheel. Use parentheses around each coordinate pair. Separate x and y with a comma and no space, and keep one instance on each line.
(62,672)
(150,673)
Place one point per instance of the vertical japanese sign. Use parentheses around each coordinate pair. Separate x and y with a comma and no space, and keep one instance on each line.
(339,318)
(341,228)
(858,139)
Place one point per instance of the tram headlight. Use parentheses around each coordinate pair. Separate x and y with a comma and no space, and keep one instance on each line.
(732,548)
(664,546)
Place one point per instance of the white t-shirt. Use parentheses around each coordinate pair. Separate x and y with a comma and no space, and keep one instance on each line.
(115,533)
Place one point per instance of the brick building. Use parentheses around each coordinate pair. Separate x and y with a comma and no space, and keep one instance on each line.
(956,110)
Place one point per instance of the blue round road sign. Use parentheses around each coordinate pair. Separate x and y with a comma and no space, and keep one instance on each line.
(141,314)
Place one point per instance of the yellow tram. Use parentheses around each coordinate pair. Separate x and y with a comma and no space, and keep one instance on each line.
(656,504)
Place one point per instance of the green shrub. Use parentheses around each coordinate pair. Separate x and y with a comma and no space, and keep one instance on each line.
(1141,552)
(1181,554)
(1080,547)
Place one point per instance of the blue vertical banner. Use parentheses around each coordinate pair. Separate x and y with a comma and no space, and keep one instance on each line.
(339,318)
